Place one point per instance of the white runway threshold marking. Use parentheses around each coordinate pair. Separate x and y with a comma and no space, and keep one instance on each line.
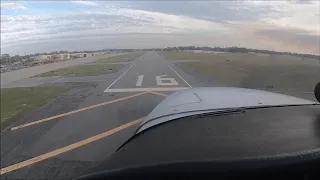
(146,89)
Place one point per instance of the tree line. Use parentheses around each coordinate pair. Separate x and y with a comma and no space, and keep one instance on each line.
(6,58)
(233,49)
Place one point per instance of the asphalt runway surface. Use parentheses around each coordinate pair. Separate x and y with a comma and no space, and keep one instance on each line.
(85,125)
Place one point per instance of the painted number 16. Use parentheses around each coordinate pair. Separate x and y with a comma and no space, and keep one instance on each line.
(161,81)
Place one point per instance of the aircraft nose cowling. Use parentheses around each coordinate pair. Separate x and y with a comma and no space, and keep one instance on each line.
(200,100)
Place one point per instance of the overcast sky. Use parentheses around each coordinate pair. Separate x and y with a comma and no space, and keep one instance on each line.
(30,26)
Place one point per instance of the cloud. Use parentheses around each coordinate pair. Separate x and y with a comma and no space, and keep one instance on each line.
(292,39)
(115,21)
(292,14)
(140,24)
(11,5)
(90,3)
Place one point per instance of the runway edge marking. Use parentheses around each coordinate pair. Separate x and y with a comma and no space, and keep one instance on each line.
(179,76)
(119,77)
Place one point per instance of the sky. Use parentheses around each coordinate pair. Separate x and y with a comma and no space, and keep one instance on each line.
(45,26)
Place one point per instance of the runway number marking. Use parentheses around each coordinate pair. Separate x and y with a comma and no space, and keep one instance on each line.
(161,81)
(140,79)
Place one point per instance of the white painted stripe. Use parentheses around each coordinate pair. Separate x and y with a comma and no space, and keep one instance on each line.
(120,76)
(140,79)
(57,80)
(306,92)
(85,81)
(117,63)
(146,89)
(179,76)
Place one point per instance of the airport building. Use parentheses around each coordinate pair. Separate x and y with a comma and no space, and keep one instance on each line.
(45,59)
(51,58)
(81,55)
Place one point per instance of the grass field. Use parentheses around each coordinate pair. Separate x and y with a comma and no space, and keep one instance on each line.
(278,73)
(123,58)
(17,102)
(85,70)
(250,57)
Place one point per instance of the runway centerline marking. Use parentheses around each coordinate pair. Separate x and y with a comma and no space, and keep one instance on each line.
(120,76)
(180,76)
(146,89)
(67,148)
(75,111)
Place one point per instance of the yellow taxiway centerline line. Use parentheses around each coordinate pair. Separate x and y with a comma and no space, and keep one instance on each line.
(75,111)
(77,144)
(157,93)
(67,148)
